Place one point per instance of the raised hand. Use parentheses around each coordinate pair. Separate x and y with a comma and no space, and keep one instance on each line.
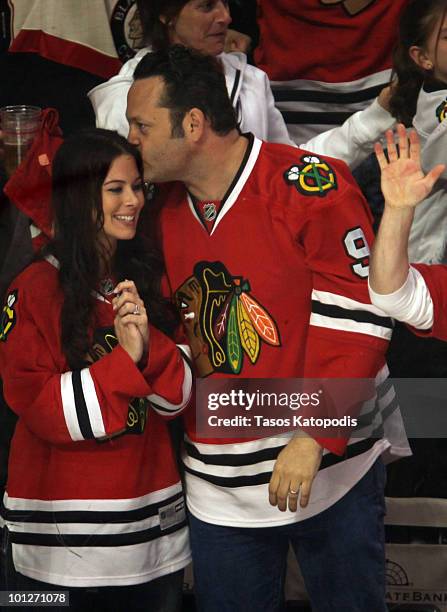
(404,184)
(131,322)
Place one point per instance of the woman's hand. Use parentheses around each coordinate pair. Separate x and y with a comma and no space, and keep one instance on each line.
(404,184)
(131,322)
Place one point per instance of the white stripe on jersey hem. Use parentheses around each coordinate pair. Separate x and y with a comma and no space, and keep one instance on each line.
(136,556)
(228,471)
(340,300)
(240,448)
(186,394)
(253,500)
(92,529)
(378,78)
(349,325)
(92,505)
(69,407)
(91,401)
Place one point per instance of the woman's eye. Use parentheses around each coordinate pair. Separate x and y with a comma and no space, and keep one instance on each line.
(138,187)
(116,189)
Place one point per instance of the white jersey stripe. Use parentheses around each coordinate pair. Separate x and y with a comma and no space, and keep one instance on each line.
(351,326)
(343,302)
(158,401)
(69,407)
(91,401)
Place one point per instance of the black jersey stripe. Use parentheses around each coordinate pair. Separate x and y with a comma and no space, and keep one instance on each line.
(313,118)
(81,406)
(87,516)
(91,540)
(234,460)
(360,316)
(235,86)
(165,410)
(327,97)
(384,387)
(328,460)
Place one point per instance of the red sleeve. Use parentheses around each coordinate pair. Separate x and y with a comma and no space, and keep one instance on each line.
(347,336)
(64,406)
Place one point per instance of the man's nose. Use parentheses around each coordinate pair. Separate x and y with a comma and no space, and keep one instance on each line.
(132,136)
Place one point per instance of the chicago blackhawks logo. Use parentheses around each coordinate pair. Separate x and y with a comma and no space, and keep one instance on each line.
(313,176)
(352,7)
(441,111)
(223,320)
(8,316)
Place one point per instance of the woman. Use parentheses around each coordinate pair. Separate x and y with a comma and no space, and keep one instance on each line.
(420,99)
(93,497)
(202,25)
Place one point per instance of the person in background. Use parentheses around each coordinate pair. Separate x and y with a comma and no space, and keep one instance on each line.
(93,501)
(236,207)
(413,294)
(325,59)
(202,26)
(420,99)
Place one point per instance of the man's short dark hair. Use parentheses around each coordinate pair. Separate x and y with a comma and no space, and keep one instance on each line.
(192,80)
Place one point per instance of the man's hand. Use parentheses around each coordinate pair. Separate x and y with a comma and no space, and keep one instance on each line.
(294,472)
(404,184)
(236,41)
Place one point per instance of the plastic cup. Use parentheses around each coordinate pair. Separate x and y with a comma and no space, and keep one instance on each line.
(19,125)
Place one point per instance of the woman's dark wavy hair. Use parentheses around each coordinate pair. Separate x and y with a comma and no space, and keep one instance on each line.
(155,32)
(416,25)
(79,170)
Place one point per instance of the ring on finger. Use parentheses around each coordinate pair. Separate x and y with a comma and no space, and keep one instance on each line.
(136,310)
(293,493)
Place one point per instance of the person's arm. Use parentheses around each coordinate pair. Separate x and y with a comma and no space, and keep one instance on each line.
(347,336)
(354,140)
(404,186)
(66,406)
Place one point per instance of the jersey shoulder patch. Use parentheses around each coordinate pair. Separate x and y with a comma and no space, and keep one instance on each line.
(8,316)
(313,176)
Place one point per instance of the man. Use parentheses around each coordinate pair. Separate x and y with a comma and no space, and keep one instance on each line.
(269,239)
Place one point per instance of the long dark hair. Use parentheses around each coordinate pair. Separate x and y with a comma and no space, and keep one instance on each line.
(416,25)
(155,32)
(79,170)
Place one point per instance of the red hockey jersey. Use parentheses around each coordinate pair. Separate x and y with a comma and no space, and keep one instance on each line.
(326,58)
(93,495)
(288,245)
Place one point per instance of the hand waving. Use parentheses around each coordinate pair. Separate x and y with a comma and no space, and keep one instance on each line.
(404,184)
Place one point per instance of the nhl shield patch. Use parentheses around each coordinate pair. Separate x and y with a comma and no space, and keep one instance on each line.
(312,177)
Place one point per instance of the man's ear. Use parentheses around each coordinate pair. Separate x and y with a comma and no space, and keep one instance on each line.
(194,124)
(420,58)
